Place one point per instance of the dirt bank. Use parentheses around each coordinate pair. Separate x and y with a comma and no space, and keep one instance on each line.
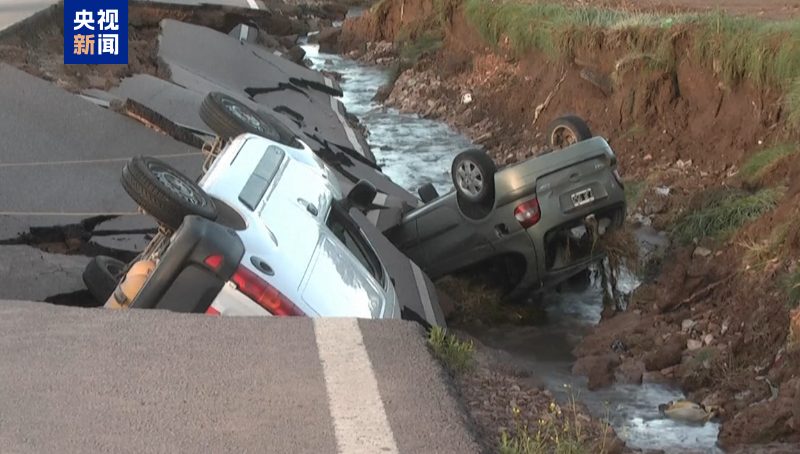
(701,110)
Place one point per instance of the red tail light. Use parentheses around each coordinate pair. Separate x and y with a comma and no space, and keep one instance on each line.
(528,213)
(264,294)
(618,177)
(212,311)
(214,261)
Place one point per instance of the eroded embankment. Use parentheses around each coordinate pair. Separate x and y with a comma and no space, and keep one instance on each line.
(702,111)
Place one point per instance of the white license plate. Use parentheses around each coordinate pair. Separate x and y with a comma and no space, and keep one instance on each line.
(581,198)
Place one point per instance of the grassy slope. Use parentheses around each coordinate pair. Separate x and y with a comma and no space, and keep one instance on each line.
(739,49)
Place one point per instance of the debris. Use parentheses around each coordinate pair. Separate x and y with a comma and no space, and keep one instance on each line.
(700,251)
(693,344)
(547,100)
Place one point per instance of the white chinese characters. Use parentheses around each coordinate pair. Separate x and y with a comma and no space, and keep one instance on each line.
(107,43)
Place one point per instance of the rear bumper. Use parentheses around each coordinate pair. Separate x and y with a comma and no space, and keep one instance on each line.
(182,282)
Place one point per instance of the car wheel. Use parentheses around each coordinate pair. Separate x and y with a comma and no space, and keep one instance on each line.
(164,192)
(473,175)
(427,193)
(229,117)
(567,130)
(102,275)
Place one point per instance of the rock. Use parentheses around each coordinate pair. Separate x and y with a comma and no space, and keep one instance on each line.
(584,366)
(687,325)
(328,40)
(700,251)
(761,422)
(269,41)
(668,355)
(296,54)
(708,339)
(630,372)
(694,344)
(288,41)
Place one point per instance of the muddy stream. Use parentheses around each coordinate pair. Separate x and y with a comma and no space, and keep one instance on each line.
(414,151)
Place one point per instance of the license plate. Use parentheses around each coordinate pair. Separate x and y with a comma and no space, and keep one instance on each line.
(581,198)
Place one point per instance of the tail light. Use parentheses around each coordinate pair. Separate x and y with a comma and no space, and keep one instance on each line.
(528,213)
(212,311)
(257,290)
(264,294)
(618,177)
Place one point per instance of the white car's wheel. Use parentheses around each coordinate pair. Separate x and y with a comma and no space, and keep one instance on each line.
(228,117)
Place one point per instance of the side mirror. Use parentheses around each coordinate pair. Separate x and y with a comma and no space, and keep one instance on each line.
(362,195)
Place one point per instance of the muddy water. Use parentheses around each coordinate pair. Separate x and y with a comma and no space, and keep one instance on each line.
(414,151)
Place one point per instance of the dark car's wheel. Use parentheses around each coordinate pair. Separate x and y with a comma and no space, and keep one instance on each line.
(428,192)
(229,117)
(473,175)
(164,192)
(101,276)
(567,130)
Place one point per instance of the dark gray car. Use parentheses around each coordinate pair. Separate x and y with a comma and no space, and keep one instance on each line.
(535,218)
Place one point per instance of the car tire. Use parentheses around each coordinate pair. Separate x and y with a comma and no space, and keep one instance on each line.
(101,276)
(473,175)
(228,117)
(567,130)
(164,192)
(428,193)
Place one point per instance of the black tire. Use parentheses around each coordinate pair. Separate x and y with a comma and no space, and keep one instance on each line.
(228,117)
(164,192)
(427,193)
(567,130)
(102,275)
(473,175)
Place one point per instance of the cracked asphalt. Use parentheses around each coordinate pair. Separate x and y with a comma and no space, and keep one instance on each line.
(79,380)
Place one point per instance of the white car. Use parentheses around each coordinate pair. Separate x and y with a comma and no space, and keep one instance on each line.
(266,230)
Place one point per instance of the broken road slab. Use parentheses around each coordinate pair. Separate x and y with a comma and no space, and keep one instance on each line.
(195,383)
(29,273)
(74,163)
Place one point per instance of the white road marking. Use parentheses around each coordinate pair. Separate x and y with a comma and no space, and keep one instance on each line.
(351,135)
(359,417)
(422,288)
(373,215)
(252,4)
(243,32)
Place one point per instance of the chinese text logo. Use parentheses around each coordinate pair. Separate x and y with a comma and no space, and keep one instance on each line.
(96,31)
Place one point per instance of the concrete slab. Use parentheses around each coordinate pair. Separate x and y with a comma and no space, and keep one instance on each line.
(196,383)
(13,11)
(29,273)
(228,62)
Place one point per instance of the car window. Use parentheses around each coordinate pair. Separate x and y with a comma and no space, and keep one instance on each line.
(348,232)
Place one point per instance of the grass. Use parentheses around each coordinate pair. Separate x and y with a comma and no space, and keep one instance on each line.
(457,356)
(790,284)
(762,162)
(759,253)
(634,190)
(478,302)
(723,212)
(765,53)
(557,432)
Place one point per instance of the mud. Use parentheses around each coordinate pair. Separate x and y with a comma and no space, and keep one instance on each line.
(713,319)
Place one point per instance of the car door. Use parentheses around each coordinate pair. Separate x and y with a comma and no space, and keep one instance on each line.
(439,238)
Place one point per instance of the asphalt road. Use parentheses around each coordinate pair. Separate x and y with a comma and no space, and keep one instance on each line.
(81,381)
(12,11)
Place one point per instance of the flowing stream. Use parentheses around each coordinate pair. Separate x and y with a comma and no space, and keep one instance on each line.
(414,151)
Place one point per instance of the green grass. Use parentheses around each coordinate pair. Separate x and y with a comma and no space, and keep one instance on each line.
(724,212)
(557,432)
(766,53)
(634,190)
(457,356)
(765,160)
(482,303)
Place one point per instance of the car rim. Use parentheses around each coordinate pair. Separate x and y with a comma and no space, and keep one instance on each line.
(470,178)
(176,185)
(244,115)
(563,137)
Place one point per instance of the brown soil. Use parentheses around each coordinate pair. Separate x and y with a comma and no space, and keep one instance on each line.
(36,45)
(685,130)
